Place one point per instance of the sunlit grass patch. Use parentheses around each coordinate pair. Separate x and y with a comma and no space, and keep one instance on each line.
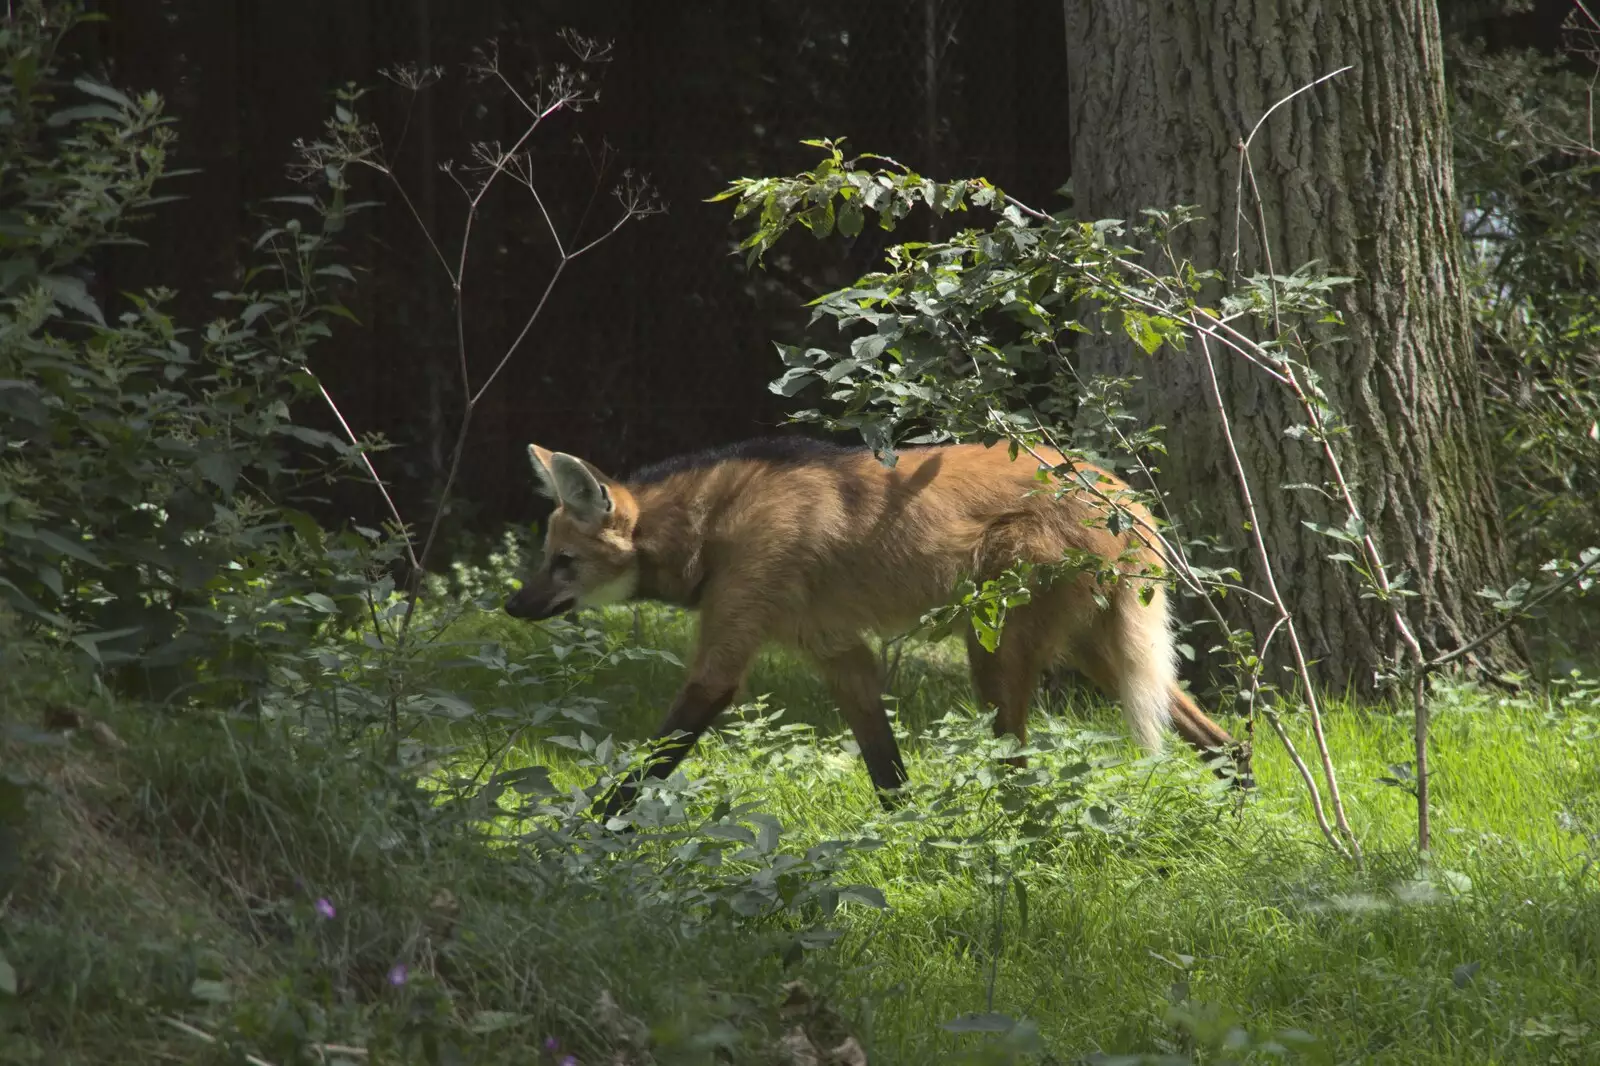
(1174,892)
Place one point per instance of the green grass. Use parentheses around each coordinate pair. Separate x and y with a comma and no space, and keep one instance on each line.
(1281,933)
(198,853)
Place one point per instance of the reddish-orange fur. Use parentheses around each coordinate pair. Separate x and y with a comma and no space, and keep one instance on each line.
(814,551)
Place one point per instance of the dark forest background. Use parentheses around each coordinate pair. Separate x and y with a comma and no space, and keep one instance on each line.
(661,340)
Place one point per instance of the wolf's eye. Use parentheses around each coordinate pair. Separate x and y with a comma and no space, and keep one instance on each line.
(562,561)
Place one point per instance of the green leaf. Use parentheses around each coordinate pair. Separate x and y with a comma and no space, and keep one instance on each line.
(51,539)
(452,705)
(492,1021)
(793,381)
(8,976)
(253,312)
(51,577)
(221,469)
(1138,326)
(21,601)
(819,219)
(769,829)
(208,991)
(15,268)
(82,113)
(90,642)
(528,780)
(70,292)
(849,220)
(730,832)
(104,92)
(866,894)
(987,1022)
(318,601)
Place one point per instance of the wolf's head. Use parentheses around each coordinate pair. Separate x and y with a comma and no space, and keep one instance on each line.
(588,558)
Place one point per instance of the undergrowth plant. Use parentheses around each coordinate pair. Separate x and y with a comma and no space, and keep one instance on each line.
(1527,172)
(150,471)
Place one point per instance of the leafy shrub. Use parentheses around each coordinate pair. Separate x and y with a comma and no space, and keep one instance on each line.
(1529,180)
(143,465)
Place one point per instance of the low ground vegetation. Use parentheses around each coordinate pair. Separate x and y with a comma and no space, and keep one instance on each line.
(197,878)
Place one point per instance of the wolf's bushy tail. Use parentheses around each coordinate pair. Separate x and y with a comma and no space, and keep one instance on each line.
(1147,668)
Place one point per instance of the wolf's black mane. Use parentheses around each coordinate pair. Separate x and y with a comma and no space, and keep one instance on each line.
(780,451)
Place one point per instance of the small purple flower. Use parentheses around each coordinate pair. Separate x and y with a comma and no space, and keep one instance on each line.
(568,1060)
(325,908)
(551,1044)
(398,974)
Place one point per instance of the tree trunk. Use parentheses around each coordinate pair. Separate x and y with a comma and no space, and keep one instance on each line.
(1355,174)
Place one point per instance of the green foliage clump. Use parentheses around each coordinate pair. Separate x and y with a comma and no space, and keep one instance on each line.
(146,468)
(1528,176)
(227,887)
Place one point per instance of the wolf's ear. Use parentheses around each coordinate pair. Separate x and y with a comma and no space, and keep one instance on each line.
(544,481)
(580,491)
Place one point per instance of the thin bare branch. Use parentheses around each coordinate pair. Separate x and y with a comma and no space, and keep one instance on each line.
(1304,88)
(1243,148)
(200,1034)
(511,350)
(372,472)
(416,215)
(1352,847)
(618,224)
(1506,623)
(555,235)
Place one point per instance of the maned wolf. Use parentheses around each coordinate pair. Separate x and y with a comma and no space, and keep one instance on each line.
(811,545)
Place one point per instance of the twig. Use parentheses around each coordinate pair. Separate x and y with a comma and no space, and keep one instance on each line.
(1351,848)
(500,163)
(372,471)
(1380,577)
(1507,623)
(1309,778)
(201,1034)
(1273,720)
(1211,327)
(1304,88)
(1243,148)
(322,1049)
(526,326)
(1183,569)
(1201,321)
(416,216)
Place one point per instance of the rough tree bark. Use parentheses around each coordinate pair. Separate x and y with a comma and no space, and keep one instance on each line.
(1355,174)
